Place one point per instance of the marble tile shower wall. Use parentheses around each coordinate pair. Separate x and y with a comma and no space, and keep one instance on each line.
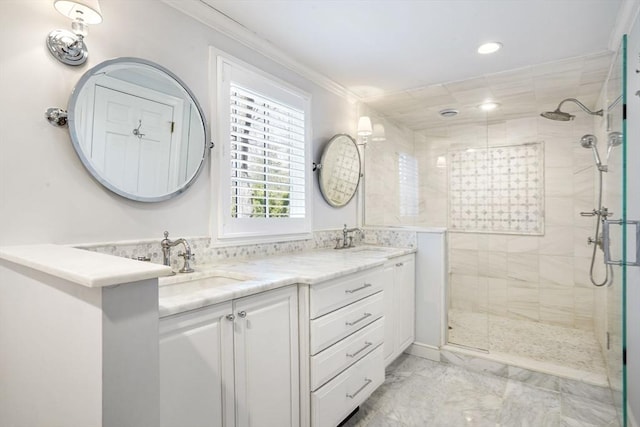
(206,253)
(382,198)
(541,278)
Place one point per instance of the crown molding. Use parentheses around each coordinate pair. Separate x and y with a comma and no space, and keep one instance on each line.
(220,22)
(627,15)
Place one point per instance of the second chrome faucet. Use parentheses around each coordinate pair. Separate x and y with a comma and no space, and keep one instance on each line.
(166,252)
(347,240)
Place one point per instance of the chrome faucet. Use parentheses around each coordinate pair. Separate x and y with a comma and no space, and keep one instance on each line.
(347,241)
(166,252)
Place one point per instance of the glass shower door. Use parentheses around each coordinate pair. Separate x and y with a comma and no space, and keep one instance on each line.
(614,241)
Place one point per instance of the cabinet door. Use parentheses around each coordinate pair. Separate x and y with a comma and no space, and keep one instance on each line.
(196,368)
(389,317)
(404,302)
(266,359)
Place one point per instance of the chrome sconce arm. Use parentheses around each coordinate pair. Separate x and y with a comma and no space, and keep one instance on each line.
(56,116)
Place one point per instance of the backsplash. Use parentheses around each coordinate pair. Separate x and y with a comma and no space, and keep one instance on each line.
(390,237)
(206,253)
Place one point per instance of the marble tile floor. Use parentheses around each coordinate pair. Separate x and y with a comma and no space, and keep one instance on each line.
(422,393)
(564,347)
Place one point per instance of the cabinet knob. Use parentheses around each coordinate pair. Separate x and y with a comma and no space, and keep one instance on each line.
(399,264)
(242,314)
(231,317)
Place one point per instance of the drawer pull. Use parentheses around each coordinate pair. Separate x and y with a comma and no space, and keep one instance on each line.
(359,320)
(399,264)
(367,381)
(350,291)
(367,344)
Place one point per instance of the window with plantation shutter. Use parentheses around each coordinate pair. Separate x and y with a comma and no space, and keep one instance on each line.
(267,157)
(264,172)
(408,179)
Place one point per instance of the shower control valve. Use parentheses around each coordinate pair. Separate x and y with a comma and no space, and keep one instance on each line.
(603,212)
(597,241)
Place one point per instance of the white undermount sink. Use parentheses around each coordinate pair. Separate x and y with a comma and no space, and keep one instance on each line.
(200,284)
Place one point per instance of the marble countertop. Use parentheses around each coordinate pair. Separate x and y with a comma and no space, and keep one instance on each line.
(86,268)
(224,281)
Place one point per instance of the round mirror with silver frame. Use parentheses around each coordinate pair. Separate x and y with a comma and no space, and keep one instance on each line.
(138,129)
(340,170)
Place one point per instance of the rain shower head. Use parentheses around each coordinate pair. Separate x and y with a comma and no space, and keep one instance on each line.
(590,141)
(557,115)
(565,117)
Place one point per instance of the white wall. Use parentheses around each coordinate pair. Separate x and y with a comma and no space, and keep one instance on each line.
(45,193)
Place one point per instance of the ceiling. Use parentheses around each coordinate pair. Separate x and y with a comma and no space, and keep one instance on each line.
(410,58)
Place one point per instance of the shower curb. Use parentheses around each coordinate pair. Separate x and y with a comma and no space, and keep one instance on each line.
(581,387)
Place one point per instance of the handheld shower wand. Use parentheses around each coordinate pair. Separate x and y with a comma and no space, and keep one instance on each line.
(601,213)
(590,141)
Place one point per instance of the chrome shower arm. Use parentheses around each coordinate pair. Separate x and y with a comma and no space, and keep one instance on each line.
(581,105)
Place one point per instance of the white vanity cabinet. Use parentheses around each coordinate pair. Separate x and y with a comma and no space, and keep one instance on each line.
(342,329)
(196,367)
(232,364)
(399,302)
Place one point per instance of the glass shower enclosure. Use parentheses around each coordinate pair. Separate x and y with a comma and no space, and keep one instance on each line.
(530,295)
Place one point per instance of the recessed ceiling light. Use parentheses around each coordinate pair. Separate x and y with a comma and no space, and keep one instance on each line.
(490,47)
(488,106)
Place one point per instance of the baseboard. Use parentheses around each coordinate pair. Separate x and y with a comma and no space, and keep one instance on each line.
(631,421)
(425,351)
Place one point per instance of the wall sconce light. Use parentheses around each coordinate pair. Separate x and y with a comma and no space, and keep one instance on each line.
(378,132)
(68,46)
(364,126)
(364,129)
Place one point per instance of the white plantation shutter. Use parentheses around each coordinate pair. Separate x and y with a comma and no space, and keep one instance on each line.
(408,177)
(267,157)
(264,172)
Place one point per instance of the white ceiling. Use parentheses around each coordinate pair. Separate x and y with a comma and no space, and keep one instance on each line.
(391,51)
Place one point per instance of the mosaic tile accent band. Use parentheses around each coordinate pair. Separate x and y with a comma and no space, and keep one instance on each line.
(497,189)
(207,253)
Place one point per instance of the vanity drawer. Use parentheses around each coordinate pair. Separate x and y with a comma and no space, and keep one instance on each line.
(340,396)
(333,294)
(330,362)
(336,325)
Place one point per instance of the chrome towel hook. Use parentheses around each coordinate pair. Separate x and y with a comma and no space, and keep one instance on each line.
(137,132)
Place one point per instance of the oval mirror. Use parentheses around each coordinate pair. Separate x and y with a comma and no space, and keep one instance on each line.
(137,129)
(340,170)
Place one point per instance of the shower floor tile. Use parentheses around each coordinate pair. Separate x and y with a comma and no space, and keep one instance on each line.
(571,348)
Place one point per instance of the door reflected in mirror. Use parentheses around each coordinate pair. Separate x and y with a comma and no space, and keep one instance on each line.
(138,129)
(340,170)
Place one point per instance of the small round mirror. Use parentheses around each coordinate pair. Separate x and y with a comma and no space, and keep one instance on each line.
(340,170)
(137,129)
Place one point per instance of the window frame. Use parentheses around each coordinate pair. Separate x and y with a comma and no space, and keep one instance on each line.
(234,230)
